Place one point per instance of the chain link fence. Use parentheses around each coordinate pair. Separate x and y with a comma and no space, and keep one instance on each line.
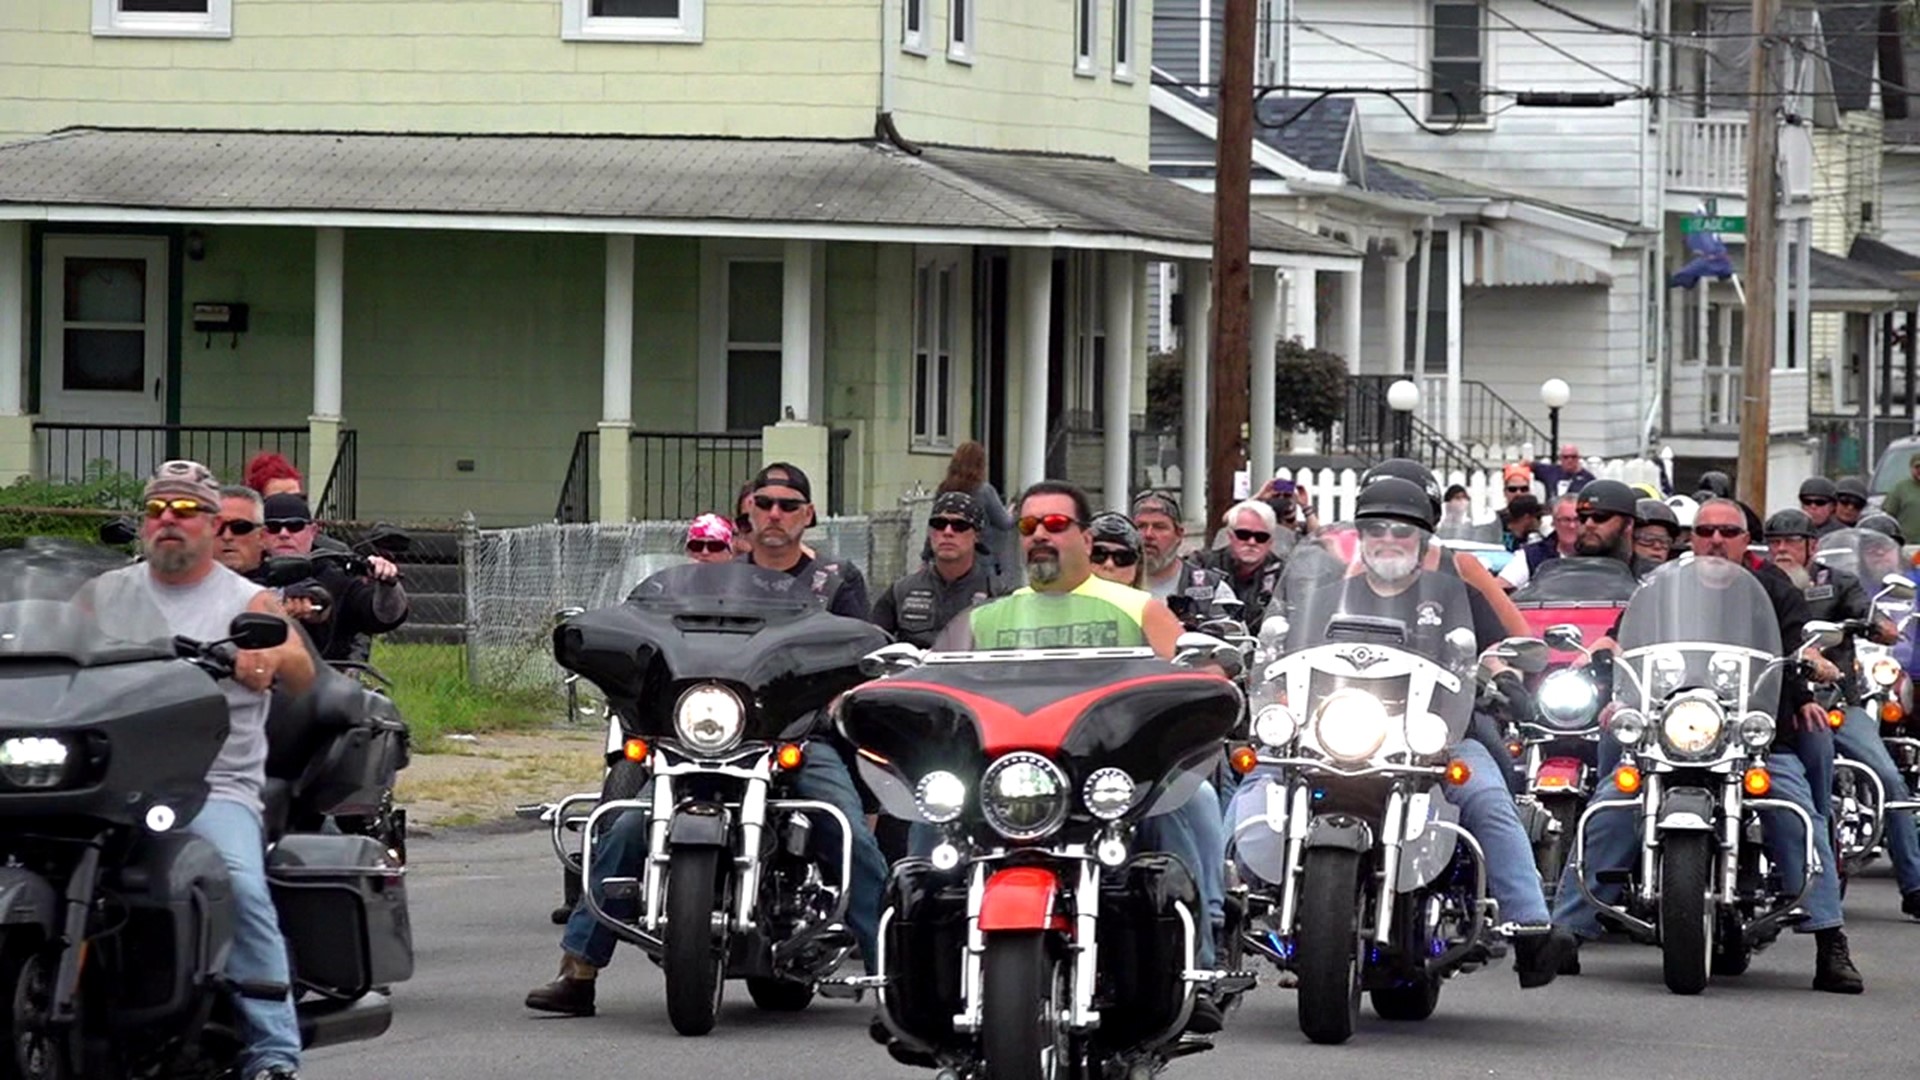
(518,579)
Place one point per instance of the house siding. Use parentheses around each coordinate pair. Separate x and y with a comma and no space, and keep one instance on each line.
(1900,200)
(1177,30)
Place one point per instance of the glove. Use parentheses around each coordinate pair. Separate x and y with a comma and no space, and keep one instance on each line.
(1519,703)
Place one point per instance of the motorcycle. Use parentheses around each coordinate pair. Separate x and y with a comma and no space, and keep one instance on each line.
(717,674)
(1557,746)
(1032,940)
(1368,883)
(115,921)
(1694,716)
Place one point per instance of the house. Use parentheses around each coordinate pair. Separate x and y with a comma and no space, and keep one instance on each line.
(580,258)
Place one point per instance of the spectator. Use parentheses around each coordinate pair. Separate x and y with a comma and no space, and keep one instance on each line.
(710,539)
(1517,480)
(1520,521)
(1903,501)
(1565,478)
(967,474)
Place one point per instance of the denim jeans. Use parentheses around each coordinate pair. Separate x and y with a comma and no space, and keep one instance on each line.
(1488,812)
(1859,739)
(1613,843)
(259,955)
(622,848)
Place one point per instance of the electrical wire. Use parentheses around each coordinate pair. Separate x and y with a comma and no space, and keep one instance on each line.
(1582,61)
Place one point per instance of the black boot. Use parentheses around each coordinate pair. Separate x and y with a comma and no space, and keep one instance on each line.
(1910,904)
(1206,1018)
(1537,957)
(1833,969)
(565,995)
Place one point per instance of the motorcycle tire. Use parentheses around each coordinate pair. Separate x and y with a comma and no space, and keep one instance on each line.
(26,981)
(1687,916)
(779,995)
(1407,1003)
(694,963)
(1023,987)
(1327,953)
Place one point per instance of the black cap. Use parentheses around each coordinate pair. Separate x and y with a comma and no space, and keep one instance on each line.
(1411,471)
(1655,512)
(1608,496)
(1790,525)
(285,507)
(961,505)
(1390,498)
(1851,486)
(1885,524)
(1114,528)
(1717,484)
(782,474)
(1818,487)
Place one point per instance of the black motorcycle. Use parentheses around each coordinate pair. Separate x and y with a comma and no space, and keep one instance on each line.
(115,922)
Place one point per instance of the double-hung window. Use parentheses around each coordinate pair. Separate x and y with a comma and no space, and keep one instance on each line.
(913,26)
(960,30)
(633,20)
(936,291)
(1458,62)
(1086,35)
(1123,39)
(163,18)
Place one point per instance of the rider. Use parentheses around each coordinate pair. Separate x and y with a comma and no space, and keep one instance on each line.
(1817,495)
(1249,561)
(1656,530)
(710,539)
(779,509)
(1186,586)
(1607,511)
(1720,531)
(917,606)
(1116,549)
(1558,542)
(363,604)
(1849,501)
(199,598)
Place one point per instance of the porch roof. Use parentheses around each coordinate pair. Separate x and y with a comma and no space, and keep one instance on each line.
(797,189)
(1840,282)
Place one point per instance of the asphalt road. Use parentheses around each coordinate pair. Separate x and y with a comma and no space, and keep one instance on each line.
(482,939)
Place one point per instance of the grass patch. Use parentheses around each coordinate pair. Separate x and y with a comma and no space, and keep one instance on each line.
(430,687)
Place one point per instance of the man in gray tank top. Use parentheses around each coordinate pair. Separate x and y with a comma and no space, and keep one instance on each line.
(199,598)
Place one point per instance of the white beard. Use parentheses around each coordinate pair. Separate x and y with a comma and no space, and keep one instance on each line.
(1391,568)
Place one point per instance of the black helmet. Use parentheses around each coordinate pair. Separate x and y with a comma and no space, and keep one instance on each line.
(1818,487)
(1790,525)
(1885,524)
(1717,483)
(1655,512)
(1114,528)
(1391,498)
(1607,496)
(1850,487)
(1409,470)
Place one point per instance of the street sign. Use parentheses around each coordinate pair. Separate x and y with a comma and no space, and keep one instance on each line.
(1716,224)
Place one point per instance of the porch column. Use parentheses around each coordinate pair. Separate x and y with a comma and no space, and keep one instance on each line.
(1032,273)
(1303,320)
(1423,307)
(1196,287)
(1803,296)
(16,428)
(616,384)
(1350,285)
(1453,334)
(797,436)
(1116,481)
(329,318)
(1395,303)
(1260,404)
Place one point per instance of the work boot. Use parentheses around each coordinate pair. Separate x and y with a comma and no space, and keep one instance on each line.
(1570,963)
(1537,957)
(1833,969)
(1910,904)
(1206,1018)
(569,995)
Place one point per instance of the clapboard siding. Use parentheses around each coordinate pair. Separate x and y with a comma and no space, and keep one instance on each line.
(1177,28)
(1900,200)
(1174,142)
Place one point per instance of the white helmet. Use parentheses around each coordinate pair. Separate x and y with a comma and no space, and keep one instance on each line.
(1684,507)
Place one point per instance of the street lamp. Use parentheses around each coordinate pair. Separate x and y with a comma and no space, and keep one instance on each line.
(1554,394)
(1403,397)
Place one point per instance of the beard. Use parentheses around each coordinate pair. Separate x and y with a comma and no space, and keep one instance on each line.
(1583,545)
(1157,563)
(1043,566)
(171,559)
(1392,566)
(1801,576)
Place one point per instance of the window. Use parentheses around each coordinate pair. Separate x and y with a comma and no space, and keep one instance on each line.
(1087,315)
(1458,62)
(163,18)
(755,292)
(1086,31)
(935,288)
(913,26)
(1123,39)
(633,20)
(960,31)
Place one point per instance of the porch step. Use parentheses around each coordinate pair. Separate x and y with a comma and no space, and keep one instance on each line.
(435,588)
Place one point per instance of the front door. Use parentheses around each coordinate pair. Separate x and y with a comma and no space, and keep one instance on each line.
(103,354)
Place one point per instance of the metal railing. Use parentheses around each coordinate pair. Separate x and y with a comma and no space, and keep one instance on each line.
(78,453)
(1486,418)
(1371,430)
(339,495)
(680,474)
(1707,154)
(576,491)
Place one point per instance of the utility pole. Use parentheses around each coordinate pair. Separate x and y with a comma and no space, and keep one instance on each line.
(1763,153)
(1231,323)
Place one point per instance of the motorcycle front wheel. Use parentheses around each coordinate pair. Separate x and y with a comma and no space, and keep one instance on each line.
(26,976)
(1024,1033)
(1686,911)
(694,963)
(1327,956)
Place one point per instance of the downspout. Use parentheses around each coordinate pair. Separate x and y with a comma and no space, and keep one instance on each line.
(884,128)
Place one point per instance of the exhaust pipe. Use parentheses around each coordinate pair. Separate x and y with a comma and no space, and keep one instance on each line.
(330,1023)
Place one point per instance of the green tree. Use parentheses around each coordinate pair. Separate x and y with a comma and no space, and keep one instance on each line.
(1310,388)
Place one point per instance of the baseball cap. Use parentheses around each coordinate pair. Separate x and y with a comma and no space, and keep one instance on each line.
(183,479)
(1608,496)
(782,474)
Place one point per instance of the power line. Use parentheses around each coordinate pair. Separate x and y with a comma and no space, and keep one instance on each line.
(1583,62)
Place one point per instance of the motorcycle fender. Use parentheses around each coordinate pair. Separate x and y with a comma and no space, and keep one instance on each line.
(26,899)
(1020,898)
(1339,831)
(699,825)
(1685,809)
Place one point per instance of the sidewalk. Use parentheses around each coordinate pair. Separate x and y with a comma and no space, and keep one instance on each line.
(480,782)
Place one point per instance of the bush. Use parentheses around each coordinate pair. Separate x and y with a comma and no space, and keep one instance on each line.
(1310,388)
(101,488)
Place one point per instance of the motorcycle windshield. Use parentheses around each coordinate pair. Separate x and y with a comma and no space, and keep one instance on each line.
(690,583)
(1702,623)
(54,605)
(1868,555)
(1585,580)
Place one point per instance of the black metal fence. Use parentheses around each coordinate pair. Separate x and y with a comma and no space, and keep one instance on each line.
(679,474)
(576,491)
(84,453)
(339,494)
(1372,429)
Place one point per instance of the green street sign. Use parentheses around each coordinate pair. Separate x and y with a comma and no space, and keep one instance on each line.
(1717,224)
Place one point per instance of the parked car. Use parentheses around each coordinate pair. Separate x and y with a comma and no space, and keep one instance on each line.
(1891,467)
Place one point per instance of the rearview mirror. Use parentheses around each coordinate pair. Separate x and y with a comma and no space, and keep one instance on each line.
(389,539)
(257,630)
(888,659)
(283,570)
(1523,653)
(1566,637)
(120,530)
(1822,634)
(1899,585)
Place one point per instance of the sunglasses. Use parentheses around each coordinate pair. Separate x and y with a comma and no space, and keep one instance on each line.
(949,524)
(1053,523)
(182,508)
(1251,536)
(277,526)
(1120,557)
(1517,488)
(1726,532)
(707,547)
(1856,504)
(768,502)
(1397,530)
(1819,502)
(1598,517)
(238,528)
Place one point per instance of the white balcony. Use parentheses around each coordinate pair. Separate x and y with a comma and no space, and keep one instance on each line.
(1707,155)
(1706,399)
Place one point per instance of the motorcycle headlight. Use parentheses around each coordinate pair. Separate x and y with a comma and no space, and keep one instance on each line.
(941,796)
(1109,793)
(34,761)
(1691,725)
(1885,671)
(1628,727)
(1273,726)
(1350,725)
(1568,699)
(709,718)
(1756,731)
(1023,796)
(1723,671)
(1668,668)
(1426,734)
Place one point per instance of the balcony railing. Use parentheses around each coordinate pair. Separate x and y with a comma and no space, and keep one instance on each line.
(1707,155)
(1706,400)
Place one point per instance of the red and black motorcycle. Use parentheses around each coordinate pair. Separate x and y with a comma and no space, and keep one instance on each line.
(1032,940)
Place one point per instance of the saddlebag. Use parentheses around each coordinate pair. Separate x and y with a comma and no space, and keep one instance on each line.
(180,910)
(357,768)
(343,909)
(1143,946)
(925,944)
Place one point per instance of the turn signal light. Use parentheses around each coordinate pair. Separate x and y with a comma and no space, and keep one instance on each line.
(1458,773)
(1627,779)
(1891,712)
(1515,749)
(1758,782)
(636,749)
(790,756)
(1243,759)
(1835,718)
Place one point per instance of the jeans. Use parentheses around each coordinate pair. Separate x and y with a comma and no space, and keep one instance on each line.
(1613,842)
(1859,739)
(259,955)
(1488,812)
(823,778)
